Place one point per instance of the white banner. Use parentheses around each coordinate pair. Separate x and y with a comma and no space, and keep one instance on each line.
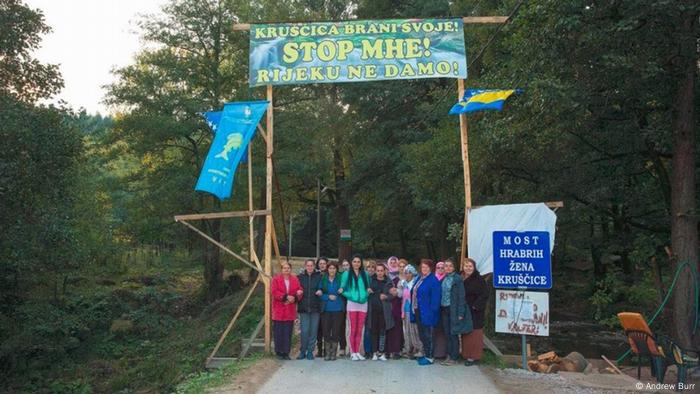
(483,221)
(522,312)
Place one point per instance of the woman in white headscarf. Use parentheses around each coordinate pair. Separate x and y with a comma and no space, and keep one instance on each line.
(413,348)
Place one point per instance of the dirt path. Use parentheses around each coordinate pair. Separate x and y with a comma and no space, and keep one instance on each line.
(344,376)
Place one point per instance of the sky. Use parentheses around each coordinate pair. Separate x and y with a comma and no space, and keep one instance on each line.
(89,39)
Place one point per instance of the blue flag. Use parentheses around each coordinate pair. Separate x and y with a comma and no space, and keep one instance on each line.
(482,99)
(233,133)
(213,118)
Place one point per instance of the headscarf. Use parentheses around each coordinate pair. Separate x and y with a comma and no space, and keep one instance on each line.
(393,270)
(409,269)
(439,276)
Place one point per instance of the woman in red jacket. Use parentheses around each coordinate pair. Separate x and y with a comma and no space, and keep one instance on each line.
(286,291)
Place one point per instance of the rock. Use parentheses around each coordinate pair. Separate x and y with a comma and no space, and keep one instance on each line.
(573,362)
(589,369)
(120,326)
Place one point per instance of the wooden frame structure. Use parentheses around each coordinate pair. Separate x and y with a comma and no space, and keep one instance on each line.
(265,268)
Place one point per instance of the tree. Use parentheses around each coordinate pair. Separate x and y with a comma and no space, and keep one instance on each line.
(23,76)
(192,69)
(684,214)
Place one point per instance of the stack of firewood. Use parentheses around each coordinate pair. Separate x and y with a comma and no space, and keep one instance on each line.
(551,363)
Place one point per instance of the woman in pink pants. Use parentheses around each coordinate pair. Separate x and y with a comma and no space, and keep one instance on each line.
(353,286)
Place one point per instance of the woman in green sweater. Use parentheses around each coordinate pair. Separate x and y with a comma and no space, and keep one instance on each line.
(353,286)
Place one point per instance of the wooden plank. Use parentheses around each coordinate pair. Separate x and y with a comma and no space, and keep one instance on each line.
(550,204)
(249,343)
(262,132)
(220,245)
(268,221)
(251,227)
(464,137)
(485,19)
(614,367)
(276,246)
(490,345)
(466,19)
(233,320)
(221,215)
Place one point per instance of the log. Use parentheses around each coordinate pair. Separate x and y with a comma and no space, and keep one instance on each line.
(547,356)
(533,365)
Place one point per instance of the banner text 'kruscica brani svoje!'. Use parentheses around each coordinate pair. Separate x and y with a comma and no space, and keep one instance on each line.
(355,51)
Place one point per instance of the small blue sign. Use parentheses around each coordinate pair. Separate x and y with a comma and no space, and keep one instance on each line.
(522,260)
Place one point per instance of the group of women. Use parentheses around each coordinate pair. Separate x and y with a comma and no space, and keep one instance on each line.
(390,310)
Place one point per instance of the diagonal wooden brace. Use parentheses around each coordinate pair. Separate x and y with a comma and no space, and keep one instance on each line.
(225,249)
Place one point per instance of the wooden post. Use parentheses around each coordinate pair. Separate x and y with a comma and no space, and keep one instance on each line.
(251,229)
(268,221)
(467,174)
(233,320)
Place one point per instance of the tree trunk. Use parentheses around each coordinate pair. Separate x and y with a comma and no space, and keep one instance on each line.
(402,239)
(342,209)
(213,268)
(684,231)
(598,267)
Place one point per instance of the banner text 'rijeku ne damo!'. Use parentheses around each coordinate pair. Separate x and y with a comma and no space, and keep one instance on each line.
(355,51)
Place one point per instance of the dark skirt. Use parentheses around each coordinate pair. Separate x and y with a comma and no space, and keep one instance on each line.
(394,337)
(282,332)
(343,334)
(439,342)
(473,344)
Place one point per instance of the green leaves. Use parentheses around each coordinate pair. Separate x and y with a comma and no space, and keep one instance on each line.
(21,75)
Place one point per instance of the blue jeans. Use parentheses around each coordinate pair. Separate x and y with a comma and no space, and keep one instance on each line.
(452,340)
(425,333)
(367,341)
(309,330)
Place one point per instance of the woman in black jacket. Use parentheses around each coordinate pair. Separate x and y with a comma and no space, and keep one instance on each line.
(476,293)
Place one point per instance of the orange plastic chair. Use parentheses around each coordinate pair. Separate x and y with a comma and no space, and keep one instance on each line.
(643,343)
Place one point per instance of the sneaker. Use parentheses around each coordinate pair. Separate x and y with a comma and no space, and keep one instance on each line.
(301,356)
(354,357)
(374,358)
(310,355)
(430,360)
(359,357)
(382,357)
(420,359)
(424,361)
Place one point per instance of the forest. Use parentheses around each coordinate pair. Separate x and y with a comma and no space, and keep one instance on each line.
(101,290)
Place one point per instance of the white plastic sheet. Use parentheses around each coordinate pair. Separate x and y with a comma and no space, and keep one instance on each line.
(483,221)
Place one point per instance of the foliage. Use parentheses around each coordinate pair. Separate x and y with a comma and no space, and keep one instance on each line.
(200,381)
(102,291)
(22,76)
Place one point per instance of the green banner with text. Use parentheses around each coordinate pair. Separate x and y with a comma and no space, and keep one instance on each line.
(356,51)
